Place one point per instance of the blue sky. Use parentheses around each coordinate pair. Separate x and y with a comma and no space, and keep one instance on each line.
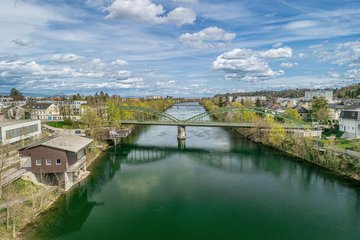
(177,47)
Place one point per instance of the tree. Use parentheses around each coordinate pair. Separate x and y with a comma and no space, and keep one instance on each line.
(293,114)
(113,114)
(92,122)
(257,103)
(16,95)
(4,159)
(319,110)
(65,111)
(277,134)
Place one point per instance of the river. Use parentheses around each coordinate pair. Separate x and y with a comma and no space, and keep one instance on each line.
(216,186)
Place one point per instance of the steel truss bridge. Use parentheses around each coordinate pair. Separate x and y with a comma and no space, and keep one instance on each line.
(148,116)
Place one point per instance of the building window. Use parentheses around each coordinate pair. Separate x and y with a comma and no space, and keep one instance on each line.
(48,162)
(38,162)
(58,161)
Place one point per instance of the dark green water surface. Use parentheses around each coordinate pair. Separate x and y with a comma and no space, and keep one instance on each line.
(218,186)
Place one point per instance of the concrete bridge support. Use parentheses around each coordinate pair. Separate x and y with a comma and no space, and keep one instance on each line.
(181,133)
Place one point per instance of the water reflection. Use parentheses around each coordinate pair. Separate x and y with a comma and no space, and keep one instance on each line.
(152,187)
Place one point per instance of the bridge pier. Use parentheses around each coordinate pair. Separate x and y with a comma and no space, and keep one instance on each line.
(181,144)
(181,133)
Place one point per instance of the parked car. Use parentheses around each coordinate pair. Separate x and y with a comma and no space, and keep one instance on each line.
(77,132)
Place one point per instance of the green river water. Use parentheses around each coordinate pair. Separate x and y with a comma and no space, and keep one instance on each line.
(218,186)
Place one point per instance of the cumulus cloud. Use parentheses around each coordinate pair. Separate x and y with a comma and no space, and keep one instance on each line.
(288,64)
(146,10)
(119,62)
(65,58)
(64,71)
(250,65)
(207,38)
(283,52)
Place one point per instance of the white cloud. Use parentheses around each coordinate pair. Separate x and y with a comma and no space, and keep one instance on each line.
(165,84)
(19,19)
(347,53)
(250,65)
(277,45)
(301,55)
(123,74)
(146,10)
(119,62)
(65,58)
(288,64)
(132,80)
(186,1)
(333,74)
(197,85)
(283,52)
(353,74)
(208,37)
(300,24)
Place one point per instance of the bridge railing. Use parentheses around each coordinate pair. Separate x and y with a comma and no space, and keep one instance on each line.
(226,114)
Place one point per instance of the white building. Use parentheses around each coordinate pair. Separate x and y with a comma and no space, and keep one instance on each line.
(15,130)
(349,122)
(307,133)
(251,98)
(327,94)
(43,111)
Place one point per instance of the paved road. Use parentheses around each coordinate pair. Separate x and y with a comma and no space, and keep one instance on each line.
(61,131)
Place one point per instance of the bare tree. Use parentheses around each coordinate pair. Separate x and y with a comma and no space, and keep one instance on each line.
(4,159)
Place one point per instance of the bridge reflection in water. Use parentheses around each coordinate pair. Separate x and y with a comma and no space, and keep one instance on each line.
(138,154)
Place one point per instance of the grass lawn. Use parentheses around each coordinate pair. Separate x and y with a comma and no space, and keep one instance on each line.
(63,125)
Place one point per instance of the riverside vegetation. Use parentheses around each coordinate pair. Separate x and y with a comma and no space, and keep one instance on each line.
(273,134)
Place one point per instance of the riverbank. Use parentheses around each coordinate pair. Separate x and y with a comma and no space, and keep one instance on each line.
(25,200)
(310,150)
(307,149)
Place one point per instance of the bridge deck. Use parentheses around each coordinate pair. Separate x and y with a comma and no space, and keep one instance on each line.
(205,124)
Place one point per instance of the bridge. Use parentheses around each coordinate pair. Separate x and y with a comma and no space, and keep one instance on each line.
(229,117)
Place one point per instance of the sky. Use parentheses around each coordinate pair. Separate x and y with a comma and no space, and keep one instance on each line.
(182,48)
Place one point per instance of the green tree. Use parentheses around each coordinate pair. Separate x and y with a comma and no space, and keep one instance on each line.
(113,114)
(92,122)
(277,133)
(319,110)
(16,95)
(293,114)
